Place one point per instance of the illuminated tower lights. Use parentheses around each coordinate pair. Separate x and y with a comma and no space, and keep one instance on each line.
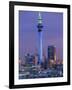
(40,26)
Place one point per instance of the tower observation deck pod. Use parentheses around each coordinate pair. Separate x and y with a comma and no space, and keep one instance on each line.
(40,26)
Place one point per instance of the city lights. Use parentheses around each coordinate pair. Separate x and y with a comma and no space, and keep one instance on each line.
(40,65)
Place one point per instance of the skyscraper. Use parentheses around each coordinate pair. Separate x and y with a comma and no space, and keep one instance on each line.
(51,53)
(40,26)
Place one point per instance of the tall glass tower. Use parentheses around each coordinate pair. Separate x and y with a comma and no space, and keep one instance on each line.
(40,26)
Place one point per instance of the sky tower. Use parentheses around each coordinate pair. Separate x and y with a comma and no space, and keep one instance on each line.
(40,26)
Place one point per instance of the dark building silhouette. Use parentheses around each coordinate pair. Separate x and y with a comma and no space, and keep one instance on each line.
(51,53)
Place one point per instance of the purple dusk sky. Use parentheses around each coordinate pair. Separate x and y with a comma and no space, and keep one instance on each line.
(52,32)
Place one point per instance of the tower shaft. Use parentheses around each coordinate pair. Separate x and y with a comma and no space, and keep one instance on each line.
(40,47)
(40,26)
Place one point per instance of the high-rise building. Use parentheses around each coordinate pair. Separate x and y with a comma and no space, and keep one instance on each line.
(51,53)
(40,26)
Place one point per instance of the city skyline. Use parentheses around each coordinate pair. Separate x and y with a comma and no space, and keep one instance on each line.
(52,32)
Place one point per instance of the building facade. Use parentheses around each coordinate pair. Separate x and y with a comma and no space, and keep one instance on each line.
(52,53)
